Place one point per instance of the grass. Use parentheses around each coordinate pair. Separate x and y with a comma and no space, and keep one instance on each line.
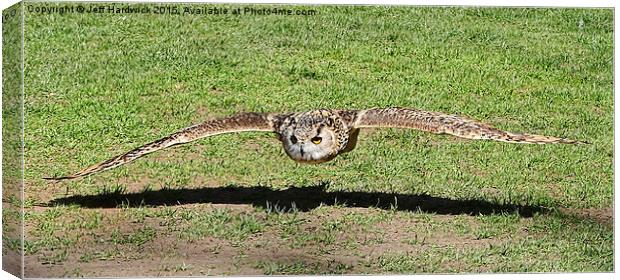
(301,268)
(12,213)
(100,85)
(553,246)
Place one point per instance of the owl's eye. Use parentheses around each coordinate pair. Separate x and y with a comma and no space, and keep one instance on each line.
(293,139)
(316,140)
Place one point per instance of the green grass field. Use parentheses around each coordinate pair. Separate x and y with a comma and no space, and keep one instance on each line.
(402,202)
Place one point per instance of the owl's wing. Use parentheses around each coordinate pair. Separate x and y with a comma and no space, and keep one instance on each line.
(238,123)
(449,124)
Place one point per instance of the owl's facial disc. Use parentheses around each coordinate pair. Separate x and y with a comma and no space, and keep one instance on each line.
(312,145)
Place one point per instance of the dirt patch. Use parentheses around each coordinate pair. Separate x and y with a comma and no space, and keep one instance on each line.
(146,234)
(335,244)
(604,216)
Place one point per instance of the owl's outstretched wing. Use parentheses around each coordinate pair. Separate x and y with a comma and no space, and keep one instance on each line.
(449,124)
(238,123)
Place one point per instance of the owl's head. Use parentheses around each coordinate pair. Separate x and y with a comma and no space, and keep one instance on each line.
(313,138)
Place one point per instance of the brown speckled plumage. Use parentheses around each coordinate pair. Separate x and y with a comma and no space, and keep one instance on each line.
(321,135)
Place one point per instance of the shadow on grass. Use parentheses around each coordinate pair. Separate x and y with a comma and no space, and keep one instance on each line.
(301,198)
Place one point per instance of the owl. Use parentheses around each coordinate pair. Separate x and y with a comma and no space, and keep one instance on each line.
(321,135)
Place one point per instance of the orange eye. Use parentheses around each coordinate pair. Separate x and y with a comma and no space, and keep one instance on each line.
(316,140)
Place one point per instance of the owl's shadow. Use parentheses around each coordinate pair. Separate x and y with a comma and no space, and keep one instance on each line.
(296,198)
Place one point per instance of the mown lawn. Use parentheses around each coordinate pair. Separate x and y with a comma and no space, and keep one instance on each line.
(402,202)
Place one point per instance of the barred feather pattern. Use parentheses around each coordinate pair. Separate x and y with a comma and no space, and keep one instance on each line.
(447,124)
(333,132)
(237,123)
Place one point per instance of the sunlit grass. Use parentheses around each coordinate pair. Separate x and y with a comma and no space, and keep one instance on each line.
(97,86)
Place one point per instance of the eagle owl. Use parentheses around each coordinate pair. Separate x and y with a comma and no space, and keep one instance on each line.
(321,135)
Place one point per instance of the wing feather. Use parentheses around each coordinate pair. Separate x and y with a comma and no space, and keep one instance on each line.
(238,123)
(449,124)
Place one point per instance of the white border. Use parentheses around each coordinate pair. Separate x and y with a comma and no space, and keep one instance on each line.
(507,3)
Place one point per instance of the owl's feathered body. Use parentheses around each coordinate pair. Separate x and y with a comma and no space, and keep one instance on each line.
(312,137)
(321,135)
